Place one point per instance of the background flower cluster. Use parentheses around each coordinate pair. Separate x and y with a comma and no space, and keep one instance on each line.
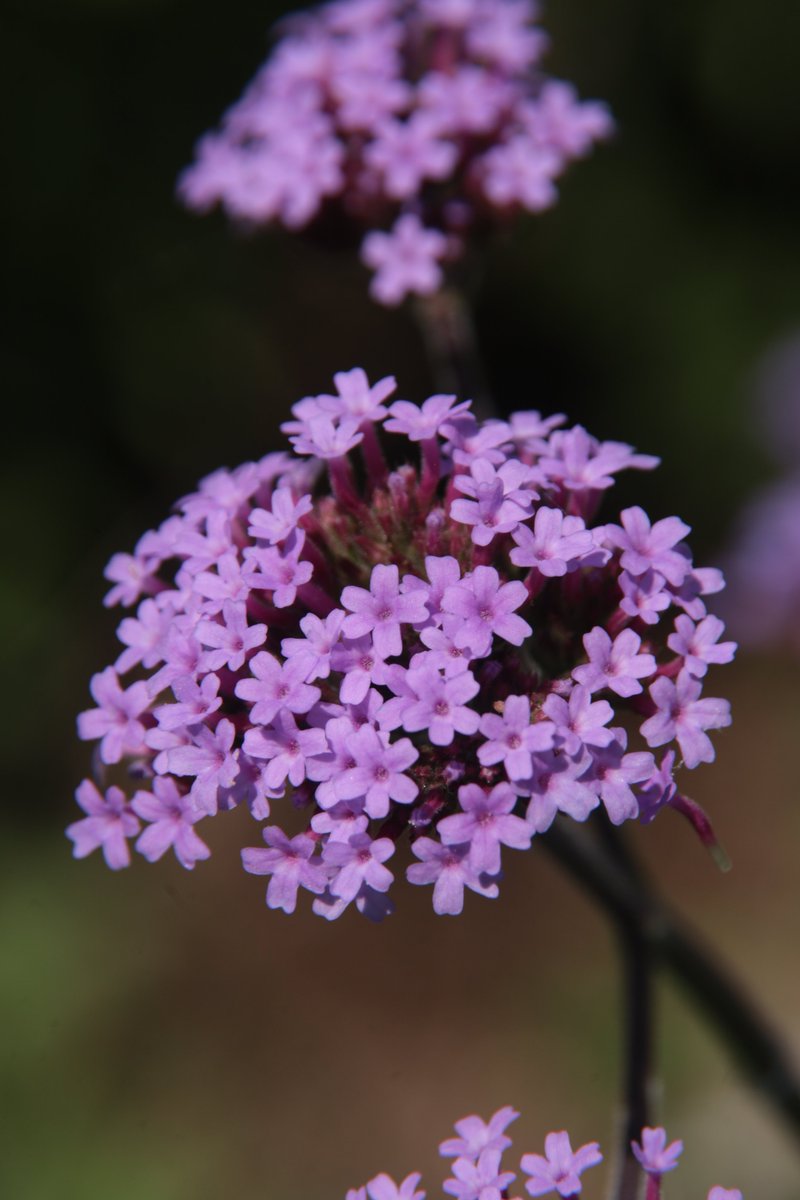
(420,120)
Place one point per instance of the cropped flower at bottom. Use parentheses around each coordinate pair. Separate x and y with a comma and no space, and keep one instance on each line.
(478,1174)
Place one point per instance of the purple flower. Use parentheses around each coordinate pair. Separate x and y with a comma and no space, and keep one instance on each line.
(280,571)
(644,596)
(172,817)
(557,784)
(562,123)
(133,575)
(281,519)
(439,704)
(647,547)
(276,686)
(699,645)
(580,721)
(381,610)
(115,720)
(485,823)
(487,607)
(475,1135)
(360,664)
(684,716)
(359,863)
(421,422)
(404,153)
(288,861)
(583,464)
(231,640)
(382,1187)
(721,1193)
(490,513)
(287,749)
(555,545)
(519,172)
(500,499)
(378,775)
(512,740)
(210,760)
(356,397)
(481,1180)
(617,665)
(653,1154)
(613,771)
(325,438)
(560,1168)
(450,870)
(143,635)
(314,649)
(195,702)
(108,823)
(405,260)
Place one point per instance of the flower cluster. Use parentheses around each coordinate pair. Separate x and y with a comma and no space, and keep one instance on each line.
(419,121)
(413,625)
(477,1152)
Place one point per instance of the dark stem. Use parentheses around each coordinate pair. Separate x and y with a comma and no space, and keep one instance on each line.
(757,1049)
(636,959)
(637,980)
(451,342)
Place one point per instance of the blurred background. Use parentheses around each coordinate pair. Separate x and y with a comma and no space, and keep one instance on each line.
(163,1034)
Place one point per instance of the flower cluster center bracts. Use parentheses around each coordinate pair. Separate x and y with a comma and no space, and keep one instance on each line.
(413,124)
(411,630)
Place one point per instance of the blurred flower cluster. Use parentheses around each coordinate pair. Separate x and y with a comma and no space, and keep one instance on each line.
(764,563)
(421,122)
(413,624)
(478,1148)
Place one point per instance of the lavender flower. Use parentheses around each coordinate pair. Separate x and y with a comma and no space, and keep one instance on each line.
(478,1172)
(414,121)
(561,1167)
(653,1154)
(347,647)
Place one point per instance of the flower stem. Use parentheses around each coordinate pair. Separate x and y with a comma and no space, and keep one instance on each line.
(449,334)
(637,1030)
(754,1045)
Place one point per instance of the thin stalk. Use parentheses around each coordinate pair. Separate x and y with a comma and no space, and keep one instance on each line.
(452,345)
(756,1048)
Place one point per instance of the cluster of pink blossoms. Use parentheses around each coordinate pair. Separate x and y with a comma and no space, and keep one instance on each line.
(478,1175)
(420,121)
(433,638)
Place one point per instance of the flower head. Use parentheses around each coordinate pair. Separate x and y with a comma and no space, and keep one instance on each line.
(653,1154)
(416,121)
(317,633)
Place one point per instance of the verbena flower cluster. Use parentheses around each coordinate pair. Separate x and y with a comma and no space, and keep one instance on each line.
(477,1168)
(412,626)
(421,121)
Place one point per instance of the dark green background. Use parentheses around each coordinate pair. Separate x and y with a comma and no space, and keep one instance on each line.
(149,1050)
